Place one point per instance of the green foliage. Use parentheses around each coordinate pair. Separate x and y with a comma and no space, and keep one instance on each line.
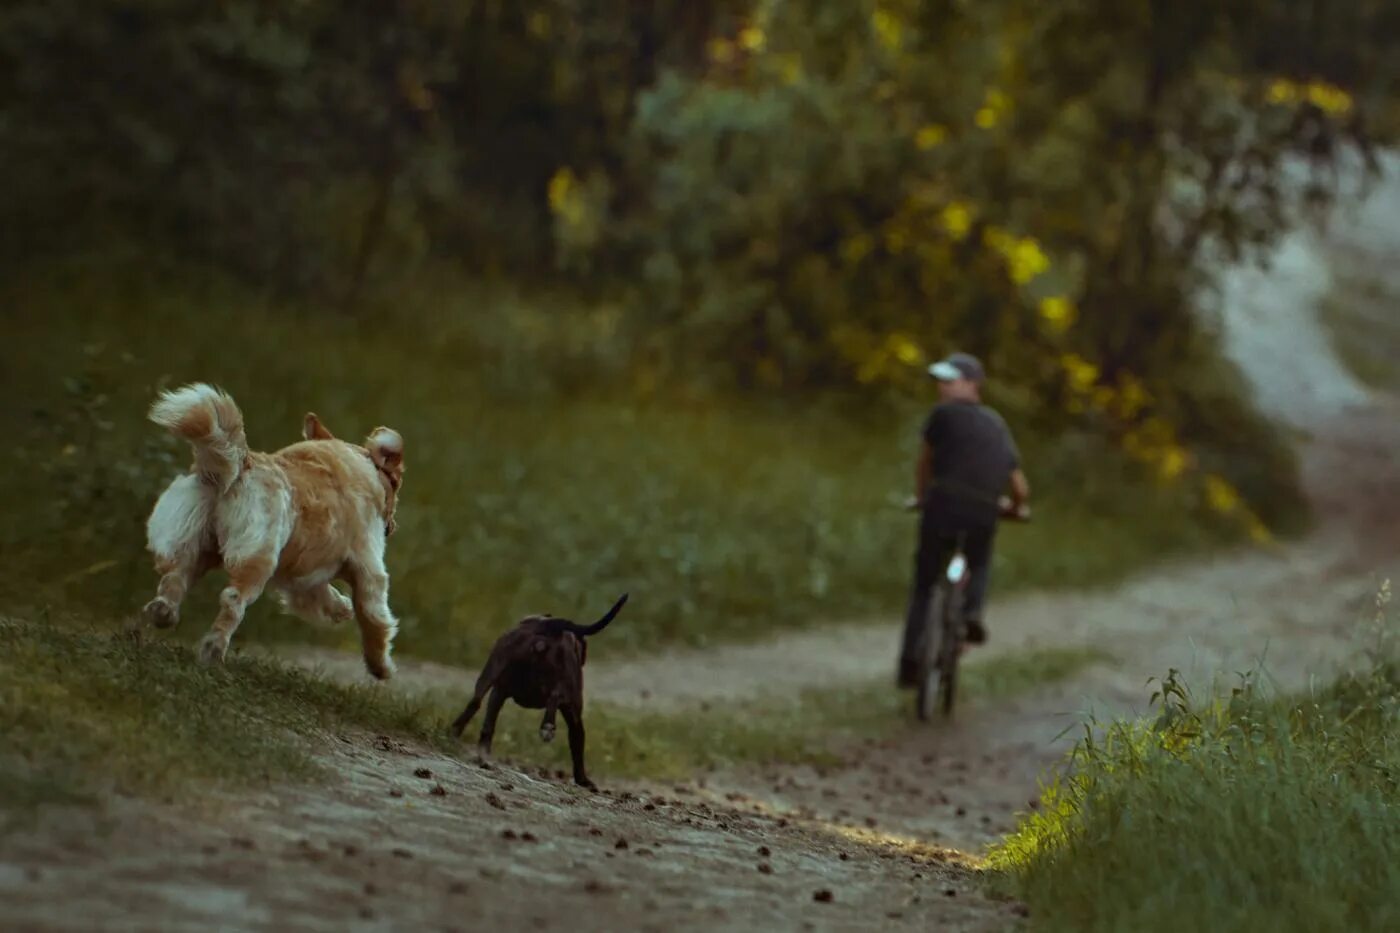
(527,489)
(1359,316)
(1245,812)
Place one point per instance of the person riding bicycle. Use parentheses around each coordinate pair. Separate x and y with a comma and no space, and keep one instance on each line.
(966,462)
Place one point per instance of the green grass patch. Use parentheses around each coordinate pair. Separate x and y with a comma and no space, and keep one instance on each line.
(87,711)
(534,482)
(1360,317)
(1245,812)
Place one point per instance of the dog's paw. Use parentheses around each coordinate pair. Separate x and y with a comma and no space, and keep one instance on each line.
(380,668)
(212,648)
(160,613)
(585,783)
(547,732)
(341,609)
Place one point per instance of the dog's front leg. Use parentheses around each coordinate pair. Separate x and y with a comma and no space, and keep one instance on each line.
(488,725)
(377,623)
(573,718)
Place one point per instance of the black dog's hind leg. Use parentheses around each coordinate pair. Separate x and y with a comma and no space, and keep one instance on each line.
(484,682)
(488,725)
(573,718)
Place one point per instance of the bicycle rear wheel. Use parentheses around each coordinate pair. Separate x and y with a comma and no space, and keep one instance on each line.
(932,684)
(950,652)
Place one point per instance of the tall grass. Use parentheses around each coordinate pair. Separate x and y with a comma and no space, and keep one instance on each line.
(537,479)
(1245,812)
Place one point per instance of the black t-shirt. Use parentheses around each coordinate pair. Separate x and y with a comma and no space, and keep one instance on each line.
(973,458)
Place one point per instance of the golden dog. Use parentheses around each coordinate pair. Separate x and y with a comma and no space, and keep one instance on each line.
(295,520)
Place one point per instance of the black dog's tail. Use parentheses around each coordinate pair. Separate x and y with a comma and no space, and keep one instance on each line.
(584,631)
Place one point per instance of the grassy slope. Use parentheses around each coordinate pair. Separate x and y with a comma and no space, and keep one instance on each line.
(86,712)
(1245,813)
(526,490)
(1360,314)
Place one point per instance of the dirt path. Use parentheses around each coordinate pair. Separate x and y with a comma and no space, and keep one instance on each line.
(892,834)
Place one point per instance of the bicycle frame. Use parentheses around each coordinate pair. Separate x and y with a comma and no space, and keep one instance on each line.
(942,641)
(943,637)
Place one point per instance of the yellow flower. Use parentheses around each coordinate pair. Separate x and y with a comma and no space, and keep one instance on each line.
(888,28)
(1282,91)
(1058,312)
(564,197)
(1259,532)
(721,51)
(561,185)
(856,248)
(930,136)
(538,25)
(957,219)
(905,350)
(994,106)
(1172,464)
(1081,373)
(752,39)
(1028,261)
(1220,495)
(1132,396)
(790,67)
(1329,98)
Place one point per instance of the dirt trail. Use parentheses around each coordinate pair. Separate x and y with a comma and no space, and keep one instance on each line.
(886,833)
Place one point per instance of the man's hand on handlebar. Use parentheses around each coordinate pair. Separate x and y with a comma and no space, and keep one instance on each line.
(1019,511)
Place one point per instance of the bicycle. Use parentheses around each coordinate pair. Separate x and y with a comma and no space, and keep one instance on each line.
(944,630)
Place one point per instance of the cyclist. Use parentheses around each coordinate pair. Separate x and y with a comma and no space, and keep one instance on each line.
(967,459)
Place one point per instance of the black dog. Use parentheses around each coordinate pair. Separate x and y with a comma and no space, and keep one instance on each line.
(539,665)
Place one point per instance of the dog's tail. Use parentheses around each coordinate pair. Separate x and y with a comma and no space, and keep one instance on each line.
(584,631)
(210,420)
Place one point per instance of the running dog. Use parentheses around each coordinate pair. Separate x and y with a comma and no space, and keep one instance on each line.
(295,520)
(539,665)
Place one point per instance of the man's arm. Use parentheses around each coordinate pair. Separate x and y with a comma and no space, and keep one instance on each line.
(1020,488)
(923,471)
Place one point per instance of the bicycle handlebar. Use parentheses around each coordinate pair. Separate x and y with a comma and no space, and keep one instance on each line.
(1006,509)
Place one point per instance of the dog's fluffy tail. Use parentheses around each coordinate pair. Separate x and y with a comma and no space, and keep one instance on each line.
(210,420)
(586,630)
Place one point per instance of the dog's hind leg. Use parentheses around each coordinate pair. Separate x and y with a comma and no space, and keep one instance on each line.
(246,580)
(320,605)
(484,682)
(377,623)
(573,718)
(178,535)
(488,725)
(177,575)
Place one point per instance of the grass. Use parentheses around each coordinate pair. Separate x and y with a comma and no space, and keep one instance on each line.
(1245,812)
(530,486)
(88,712)
(1359,315)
